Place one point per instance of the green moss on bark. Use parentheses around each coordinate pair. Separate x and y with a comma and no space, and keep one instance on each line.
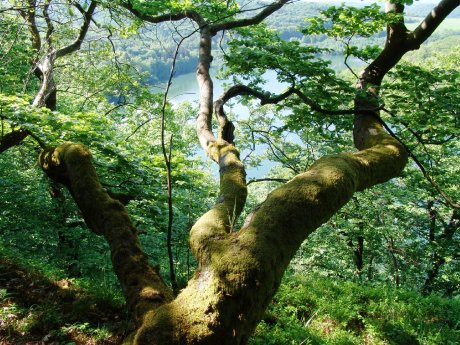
(142,285)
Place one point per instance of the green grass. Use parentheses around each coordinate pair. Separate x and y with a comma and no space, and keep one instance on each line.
(306,310)
(319,310)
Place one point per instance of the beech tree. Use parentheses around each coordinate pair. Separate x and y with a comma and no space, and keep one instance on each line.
(239,270)
(45,53)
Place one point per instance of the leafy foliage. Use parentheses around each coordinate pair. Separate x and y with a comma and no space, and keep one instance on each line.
(302,313)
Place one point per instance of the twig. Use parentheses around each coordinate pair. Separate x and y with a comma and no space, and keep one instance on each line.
(419,164)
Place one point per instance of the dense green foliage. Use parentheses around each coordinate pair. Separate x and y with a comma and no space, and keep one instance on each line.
(318,310)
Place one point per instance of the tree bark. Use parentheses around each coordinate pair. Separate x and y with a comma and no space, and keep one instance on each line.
(358,251)
(394,260)
(12,139)
(70,164)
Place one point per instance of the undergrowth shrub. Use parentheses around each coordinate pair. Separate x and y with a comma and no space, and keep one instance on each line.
(318,310)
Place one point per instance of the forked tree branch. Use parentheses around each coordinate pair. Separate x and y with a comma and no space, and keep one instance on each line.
(82,34)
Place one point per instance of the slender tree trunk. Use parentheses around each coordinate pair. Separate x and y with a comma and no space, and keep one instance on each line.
(394,261)
(358,250)
(358,257)
(67,247)
(440,246)
(370,269)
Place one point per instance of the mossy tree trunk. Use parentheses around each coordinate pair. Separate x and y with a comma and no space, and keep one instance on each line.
(239,271)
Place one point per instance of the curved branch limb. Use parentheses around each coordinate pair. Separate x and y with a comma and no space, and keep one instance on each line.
(173,16)
(218,222)
(142,285)
(243,90)
(433,20)
(258,18)
(267,98)
(400,40)
(12,139)
(205,84)
(82,34)
(195,16)
(226,127)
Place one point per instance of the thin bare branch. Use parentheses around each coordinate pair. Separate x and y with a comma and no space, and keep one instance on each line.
(35,34)
(267,98)
(49,24)
(420,165)
(167,160)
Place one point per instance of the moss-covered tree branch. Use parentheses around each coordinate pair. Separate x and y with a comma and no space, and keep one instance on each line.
(70,164)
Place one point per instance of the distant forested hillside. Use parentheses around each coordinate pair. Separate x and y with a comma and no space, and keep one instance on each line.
(154,58)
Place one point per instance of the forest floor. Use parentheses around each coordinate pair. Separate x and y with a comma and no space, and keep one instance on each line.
(37,310)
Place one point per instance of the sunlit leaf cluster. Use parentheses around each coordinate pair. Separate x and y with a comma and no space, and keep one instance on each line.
(346,21)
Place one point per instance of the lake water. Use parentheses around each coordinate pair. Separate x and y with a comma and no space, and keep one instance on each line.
(184,88)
